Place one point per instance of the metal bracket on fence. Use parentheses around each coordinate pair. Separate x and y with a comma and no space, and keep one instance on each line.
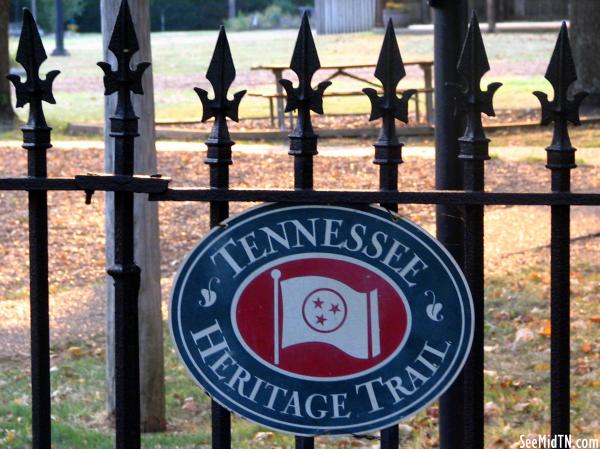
(92,182)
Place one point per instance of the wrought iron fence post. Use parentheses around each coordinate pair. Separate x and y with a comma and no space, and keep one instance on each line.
(388,149)
(450,17)
(124,271)
(303,141)
(221,73)
(36,140)
(388,107)
(472,102)
(560,160)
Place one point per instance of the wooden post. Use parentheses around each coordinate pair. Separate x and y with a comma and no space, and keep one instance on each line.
(379,13)
(491,15)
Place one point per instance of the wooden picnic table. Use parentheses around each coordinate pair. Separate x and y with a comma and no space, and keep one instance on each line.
(345,70)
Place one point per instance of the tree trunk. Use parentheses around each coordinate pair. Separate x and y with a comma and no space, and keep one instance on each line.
(379,13)
(7,114)
(491,15)
(520,10)
(232,11)
(147,251)
(585,41)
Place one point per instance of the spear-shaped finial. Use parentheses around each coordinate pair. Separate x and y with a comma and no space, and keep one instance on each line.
(221,73)
(31,55)
(389,70)
(305,62)
(561,73)
(123,44)
(471,100)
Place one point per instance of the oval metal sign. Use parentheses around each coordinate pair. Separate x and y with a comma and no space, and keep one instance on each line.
(320,319)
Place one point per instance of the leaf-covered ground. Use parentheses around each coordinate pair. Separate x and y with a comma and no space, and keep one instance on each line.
(517,302)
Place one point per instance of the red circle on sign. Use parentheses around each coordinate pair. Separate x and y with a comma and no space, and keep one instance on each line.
(334,317)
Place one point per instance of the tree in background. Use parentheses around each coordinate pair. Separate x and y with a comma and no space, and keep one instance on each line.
(491,9)
(187,14)
(585,40)
(176,15)
(7,114)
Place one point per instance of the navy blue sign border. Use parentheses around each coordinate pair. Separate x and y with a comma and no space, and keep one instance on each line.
(310,430)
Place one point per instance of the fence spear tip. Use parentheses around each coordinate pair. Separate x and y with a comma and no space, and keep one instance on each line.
(390,67)
(123,40)
(305,62)
(221,70)
(561,71)
(389,71)
(473,63)
(31,54)
(305,59)
(221,74)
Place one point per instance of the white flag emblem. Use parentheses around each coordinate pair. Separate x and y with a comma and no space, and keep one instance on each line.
(318,309)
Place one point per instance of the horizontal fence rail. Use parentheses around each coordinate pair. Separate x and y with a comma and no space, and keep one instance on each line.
(452,197)
(157,188)
(470,202)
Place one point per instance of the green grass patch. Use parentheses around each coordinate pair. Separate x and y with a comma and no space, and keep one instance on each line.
(516,380)
(180,61)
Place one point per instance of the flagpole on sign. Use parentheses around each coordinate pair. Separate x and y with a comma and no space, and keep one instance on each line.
(276,275)
(374,325)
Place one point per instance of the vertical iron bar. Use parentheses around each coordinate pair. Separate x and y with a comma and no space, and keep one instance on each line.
(36,140)
(303,140)
(474,151)
(560,308)
(219,158)
(220,73)
(388,149)
(126,274)
(449,30)
(474,272)
(561,73)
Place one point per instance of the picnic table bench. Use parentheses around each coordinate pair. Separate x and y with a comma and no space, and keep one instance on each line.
(345,70)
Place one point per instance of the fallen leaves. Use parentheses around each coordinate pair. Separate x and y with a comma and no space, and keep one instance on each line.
(541,367)
(75,352)
(523,334)
(491,410)
(546,329)
(10,437)
(260,437)
(583,366)
(190,405)
(536,276)
(499,443)
(529,404)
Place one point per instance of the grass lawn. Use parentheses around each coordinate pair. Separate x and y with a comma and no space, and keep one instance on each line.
(181,59)
(516,377)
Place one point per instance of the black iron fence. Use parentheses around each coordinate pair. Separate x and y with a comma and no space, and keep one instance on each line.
(462,424)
